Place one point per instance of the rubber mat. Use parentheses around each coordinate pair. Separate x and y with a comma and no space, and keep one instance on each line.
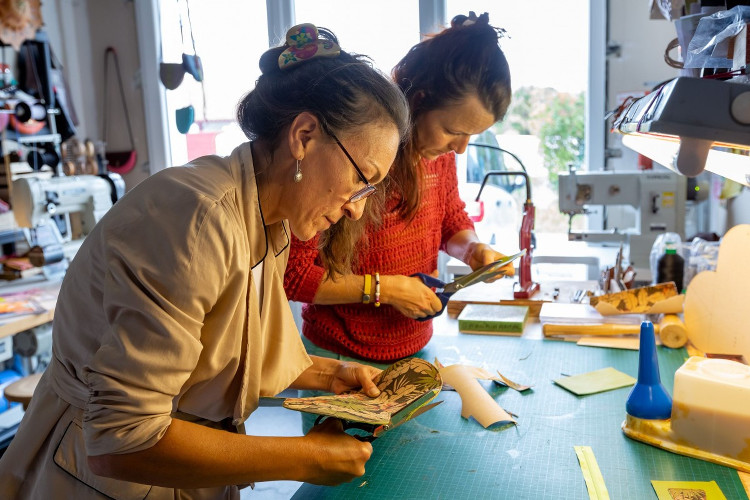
(441,455)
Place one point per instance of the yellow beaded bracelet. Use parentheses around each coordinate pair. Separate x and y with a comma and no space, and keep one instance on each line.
(377,289)
(368,288)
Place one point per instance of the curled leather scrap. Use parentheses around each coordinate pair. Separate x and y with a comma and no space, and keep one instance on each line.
(304,44)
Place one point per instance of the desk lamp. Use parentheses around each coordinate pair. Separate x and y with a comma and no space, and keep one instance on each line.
(689,124)
(527,287)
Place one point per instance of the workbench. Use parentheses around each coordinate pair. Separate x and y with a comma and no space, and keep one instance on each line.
(441,455)
(44,291)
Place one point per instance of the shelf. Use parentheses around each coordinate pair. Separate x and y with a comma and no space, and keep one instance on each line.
(31,139)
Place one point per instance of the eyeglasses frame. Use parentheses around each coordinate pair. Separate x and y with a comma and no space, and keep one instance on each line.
(365,191)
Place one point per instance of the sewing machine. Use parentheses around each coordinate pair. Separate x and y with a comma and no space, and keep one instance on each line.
(58,212)
(658,198)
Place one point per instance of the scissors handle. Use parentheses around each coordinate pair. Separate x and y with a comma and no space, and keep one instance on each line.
(433,282)
(347,424)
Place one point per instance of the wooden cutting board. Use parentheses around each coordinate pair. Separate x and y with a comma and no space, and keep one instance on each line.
(501,292)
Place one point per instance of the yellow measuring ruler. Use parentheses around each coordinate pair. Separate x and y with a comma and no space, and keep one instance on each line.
(591,473)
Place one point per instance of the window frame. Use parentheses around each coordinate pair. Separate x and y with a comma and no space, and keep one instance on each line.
(280,15)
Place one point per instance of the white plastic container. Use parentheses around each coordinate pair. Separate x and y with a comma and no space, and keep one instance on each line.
(711,407)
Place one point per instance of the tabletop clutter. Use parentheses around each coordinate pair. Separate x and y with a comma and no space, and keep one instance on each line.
(695,301)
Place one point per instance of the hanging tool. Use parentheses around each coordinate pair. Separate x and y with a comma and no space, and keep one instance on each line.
(527,287)
(120,162)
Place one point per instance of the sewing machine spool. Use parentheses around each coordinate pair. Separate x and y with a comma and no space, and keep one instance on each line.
(709,418)
(44,255)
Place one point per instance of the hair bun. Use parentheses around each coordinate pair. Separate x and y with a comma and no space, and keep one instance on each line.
(462,20)
(269,61)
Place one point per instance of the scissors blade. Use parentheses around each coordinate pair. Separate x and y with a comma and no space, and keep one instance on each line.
(485,273)
(382,429)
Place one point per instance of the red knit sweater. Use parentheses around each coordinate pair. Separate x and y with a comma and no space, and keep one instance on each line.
(396,247)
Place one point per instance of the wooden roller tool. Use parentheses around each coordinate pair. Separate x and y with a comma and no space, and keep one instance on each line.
(671,330)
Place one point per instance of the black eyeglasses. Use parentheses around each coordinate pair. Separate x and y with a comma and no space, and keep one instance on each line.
(365,191)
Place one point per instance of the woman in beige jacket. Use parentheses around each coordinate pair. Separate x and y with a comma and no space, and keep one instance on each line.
(172,320)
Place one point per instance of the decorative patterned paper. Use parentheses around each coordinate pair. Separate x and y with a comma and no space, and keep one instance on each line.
(687,490)
(655,299)
(405,386)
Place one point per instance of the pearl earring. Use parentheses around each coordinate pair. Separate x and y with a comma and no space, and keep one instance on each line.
(298,173)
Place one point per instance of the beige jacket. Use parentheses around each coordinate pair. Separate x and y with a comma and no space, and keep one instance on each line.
(158,318)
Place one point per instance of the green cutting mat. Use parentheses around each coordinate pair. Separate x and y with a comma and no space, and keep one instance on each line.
(441,455)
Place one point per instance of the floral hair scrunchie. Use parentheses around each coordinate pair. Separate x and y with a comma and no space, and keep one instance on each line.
(304,44)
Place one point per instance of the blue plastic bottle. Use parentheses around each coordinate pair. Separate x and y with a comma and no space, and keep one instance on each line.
(648,399)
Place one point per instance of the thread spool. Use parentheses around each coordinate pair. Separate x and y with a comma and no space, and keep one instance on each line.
(671,267)
(92,167)
(25,111)
(43,256)
(69,168)
(36,158)
(672,331)
(89,149)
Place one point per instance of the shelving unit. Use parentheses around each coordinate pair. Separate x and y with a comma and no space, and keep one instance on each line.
(48,137)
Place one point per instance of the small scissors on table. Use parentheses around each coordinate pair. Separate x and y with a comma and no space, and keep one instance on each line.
(444,290)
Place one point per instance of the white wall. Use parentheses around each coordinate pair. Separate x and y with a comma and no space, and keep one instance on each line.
(80,31)
(639,67)
(640,64)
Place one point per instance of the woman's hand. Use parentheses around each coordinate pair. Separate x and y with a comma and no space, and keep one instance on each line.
(351,375)
(409,296)
(332,375)
(482,254)
(338,457)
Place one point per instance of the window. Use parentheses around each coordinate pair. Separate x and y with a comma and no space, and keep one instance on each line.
(383,30)
(230,36)
(546,45)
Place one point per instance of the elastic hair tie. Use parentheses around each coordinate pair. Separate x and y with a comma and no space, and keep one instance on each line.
(304,44)
(462,20)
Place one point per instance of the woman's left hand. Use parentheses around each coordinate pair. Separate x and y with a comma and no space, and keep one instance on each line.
(483,254)
(351,375)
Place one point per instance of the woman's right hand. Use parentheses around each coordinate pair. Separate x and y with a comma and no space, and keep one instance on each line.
(337,457)
(409,295)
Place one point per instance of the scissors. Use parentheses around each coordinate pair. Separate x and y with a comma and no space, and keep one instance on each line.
(444,290)
(374,431)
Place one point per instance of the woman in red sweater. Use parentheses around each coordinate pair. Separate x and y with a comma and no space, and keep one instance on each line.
(457,84)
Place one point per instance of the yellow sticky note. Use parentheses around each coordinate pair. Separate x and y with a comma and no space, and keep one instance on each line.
(687,490)
(602,380)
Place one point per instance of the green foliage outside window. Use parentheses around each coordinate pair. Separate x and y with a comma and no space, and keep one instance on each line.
(557,118)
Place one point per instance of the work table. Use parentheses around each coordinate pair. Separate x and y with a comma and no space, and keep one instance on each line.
(442,455)
(44,291)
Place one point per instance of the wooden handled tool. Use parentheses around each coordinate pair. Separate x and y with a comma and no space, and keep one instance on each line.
(671,329)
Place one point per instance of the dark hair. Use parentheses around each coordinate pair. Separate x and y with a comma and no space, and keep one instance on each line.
(344,92)
(460,61)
